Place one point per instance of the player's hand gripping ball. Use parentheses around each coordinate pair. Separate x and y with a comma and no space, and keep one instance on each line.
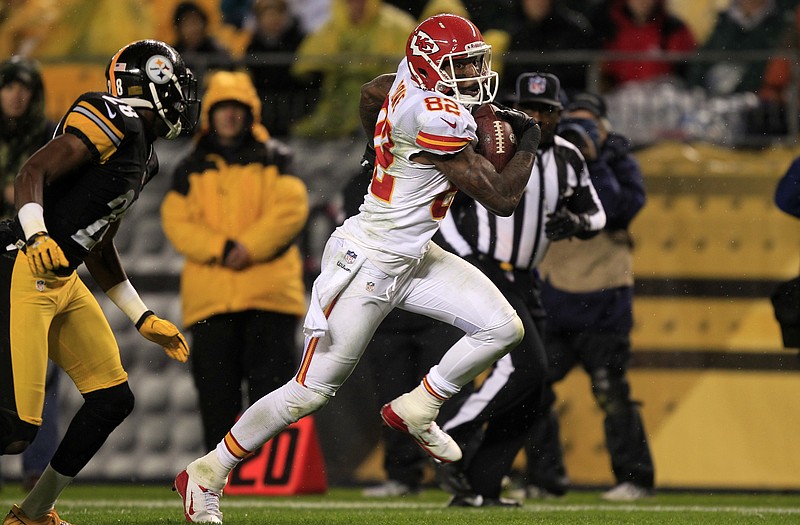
(496,139)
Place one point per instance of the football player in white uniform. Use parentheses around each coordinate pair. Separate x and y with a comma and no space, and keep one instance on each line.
(383,258)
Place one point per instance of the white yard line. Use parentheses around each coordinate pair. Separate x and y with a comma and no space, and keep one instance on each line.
(268,503)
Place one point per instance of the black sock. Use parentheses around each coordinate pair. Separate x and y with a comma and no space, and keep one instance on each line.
(102,412)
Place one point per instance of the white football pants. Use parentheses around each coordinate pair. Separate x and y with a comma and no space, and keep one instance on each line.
(440,285)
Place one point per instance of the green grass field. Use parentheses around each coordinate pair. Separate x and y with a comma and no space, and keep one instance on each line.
(138,505)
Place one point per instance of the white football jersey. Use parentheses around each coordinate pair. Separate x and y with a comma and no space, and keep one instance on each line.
(406,201)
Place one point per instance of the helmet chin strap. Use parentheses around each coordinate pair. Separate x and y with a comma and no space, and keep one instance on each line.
(174,127)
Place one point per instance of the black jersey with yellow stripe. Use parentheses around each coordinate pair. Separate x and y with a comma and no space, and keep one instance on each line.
(79,206)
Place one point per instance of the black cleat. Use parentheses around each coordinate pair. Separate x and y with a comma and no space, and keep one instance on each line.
(452,479)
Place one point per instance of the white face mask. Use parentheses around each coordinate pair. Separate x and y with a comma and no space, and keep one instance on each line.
(486,79)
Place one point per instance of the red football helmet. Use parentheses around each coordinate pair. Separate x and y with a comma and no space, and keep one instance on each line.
(436,43)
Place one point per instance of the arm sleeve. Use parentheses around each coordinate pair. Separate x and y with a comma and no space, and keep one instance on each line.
(581,197)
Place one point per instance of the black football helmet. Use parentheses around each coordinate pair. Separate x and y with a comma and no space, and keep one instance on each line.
(151,74)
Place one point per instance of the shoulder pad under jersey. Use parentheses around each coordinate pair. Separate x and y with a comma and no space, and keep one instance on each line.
(443,125)
(101,121)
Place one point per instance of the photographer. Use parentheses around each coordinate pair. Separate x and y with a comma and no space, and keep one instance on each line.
(587,291)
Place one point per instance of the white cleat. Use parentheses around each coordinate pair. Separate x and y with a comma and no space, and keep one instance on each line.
(200,505)
(433,440)
(627,491)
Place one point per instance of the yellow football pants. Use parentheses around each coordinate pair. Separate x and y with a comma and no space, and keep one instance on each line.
(60,320)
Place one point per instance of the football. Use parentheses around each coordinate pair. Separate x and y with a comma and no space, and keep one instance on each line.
(496,139)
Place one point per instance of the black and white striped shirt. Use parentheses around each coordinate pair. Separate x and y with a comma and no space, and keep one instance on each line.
(559,178)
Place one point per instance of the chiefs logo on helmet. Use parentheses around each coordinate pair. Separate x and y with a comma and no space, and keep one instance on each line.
(423,44)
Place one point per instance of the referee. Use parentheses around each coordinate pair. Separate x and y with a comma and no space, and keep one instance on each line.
(559,202)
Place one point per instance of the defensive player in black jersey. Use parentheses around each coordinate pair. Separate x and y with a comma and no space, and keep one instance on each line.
(70,196)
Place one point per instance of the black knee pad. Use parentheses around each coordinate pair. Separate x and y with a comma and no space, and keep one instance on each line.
(15,434)
(112,405)
(611,391)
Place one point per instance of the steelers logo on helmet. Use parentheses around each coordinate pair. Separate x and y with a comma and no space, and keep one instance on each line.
(159,69)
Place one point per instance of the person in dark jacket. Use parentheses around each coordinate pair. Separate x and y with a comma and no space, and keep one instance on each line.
(787,192)
(753,25)
(559,203)
(23,125)
(277,36)
(587,291)
(786,296)
(548,26)
(24,129)
(201,50)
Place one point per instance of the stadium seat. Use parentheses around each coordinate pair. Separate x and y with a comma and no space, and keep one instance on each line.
(186,432)
(153,394)
(154,434)
(183,393)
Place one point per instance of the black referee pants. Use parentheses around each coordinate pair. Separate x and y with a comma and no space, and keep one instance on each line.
(512,396)
(401,352)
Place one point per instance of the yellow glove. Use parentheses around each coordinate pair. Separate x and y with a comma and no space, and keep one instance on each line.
(44,255)
(164,333)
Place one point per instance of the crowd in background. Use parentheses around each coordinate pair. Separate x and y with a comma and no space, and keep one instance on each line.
(710,59)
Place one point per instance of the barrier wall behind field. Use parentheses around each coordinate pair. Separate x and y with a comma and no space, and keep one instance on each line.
(719,392)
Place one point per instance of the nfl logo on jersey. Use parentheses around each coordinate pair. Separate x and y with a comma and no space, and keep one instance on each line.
(350,257)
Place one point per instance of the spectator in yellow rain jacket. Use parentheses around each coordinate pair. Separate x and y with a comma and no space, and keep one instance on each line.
(47,29)
(234,214)
(361,40)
